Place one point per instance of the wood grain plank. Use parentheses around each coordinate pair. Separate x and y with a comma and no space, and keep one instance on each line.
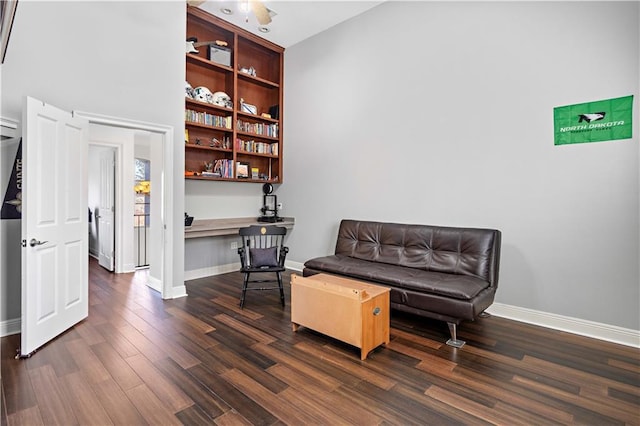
(242,359)
(54,408)
(301,368)
(347,364)
(186,318)
(151,408)
(322,399)
(84,402)
(119,408)
(208,401)
(245,329)
(55,355)
(26,417)
(232,304)
(412,337)
(280,408)
(89,333)
(232,397)
(87,361)
(117,340)
(194,415)
(535,403)
(116,366)
(480,411)
(142,344)
(232,418)
(605,409)
(170,394)
(16,386)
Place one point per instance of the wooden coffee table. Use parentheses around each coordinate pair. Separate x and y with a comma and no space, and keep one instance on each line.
(354,312)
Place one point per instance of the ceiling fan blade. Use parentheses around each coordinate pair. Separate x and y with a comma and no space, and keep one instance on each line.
(261,12)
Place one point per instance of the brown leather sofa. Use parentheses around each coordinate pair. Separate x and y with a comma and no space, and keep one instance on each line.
(449,274)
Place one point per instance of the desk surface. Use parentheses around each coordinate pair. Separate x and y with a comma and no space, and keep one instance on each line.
(231,226)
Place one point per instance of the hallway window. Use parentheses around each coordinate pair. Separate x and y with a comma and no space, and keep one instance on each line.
(141,212)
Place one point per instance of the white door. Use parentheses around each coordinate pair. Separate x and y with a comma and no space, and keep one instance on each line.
(106,233)
(55,282)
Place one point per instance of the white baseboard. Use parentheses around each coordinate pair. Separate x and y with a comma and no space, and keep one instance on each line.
(295,266)
(177,292)
(8,327)
(211,271)
(231,267)
(154,283)
(609,333)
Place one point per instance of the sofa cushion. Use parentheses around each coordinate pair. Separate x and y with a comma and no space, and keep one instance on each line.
(464,287)
(461,251)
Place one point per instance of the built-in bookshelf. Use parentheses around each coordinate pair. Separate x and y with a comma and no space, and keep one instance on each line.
(242,141)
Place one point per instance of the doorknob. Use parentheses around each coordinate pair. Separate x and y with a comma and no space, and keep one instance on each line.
(35,242)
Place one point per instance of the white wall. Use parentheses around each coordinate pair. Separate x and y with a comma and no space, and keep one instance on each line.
(442,113)
(120,59)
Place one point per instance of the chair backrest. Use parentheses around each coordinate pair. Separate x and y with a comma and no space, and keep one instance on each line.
(260,242)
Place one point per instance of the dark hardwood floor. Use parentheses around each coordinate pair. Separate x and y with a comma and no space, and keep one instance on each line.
(201,360)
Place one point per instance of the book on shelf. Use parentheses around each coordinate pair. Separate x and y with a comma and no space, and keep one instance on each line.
(257,147)
(207,119)
(224,167)
(270,130)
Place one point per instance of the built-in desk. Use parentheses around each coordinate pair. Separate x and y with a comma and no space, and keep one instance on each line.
(217,227)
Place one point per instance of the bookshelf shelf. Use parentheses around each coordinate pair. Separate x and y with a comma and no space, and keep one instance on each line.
(250,139)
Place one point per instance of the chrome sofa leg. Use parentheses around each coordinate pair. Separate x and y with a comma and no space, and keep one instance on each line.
(454,339)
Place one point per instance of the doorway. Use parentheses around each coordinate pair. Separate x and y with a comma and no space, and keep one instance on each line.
(122,136)
(100,199)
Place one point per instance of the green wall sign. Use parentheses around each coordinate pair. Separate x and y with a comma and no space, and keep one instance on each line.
(593,121)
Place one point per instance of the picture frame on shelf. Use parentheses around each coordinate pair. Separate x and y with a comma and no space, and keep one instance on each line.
(242,170)
(248,108)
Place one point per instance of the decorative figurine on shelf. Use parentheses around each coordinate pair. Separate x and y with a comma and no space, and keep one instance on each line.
(248,108)
(203,94)
(198,142)
(215,143)
(208,167)
(249,71)
(221,99)
(188,90)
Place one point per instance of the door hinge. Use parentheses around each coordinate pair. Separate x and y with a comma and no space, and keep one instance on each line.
(24,243)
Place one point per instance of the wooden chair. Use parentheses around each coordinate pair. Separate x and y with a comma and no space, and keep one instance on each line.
(262,251)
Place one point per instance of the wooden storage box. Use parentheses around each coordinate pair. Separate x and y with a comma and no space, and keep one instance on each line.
(352,311)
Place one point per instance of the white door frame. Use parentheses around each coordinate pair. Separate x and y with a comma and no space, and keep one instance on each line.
(166,133)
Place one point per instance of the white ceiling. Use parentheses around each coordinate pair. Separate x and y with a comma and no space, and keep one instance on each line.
(295,20)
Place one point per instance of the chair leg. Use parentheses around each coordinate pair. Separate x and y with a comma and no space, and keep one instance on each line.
(245,283)
(281,288)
